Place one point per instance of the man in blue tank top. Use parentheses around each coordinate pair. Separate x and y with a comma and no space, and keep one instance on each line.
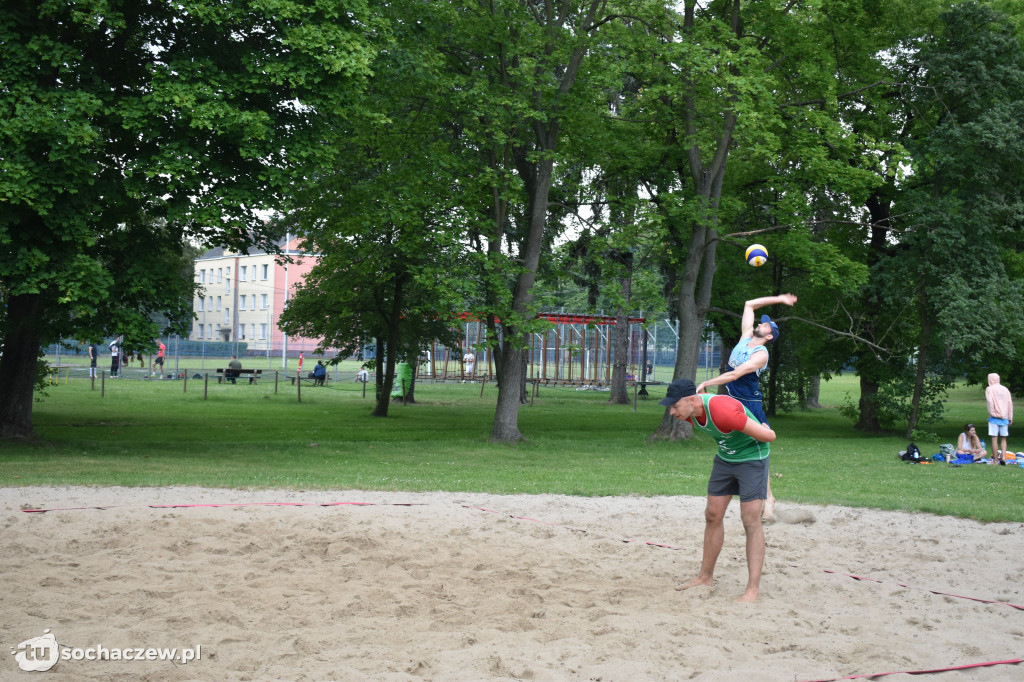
(748,359)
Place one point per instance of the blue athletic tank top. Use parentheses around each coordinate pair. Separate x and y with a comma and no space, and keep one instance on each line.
(747,387)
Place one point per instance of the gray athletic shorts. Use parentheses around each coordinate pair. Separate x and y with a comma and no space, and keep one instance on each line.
(749,480)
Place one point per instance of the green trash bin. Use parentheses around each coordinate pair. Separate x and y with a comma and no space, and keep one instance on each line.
(403,373)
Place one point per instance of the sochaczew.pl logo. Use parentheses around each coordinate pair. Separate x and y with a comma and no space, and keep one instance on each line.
(39,654)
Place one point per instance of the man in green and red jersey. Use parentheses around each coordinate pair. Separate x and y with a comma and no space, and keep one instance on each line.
(740,468)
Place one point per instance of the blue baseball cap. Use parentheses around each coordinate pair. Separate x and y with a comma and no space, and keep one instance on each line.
(775,327)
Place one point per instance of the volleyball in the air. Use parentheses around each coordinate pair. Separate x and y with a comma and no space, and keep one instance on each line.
(757,255)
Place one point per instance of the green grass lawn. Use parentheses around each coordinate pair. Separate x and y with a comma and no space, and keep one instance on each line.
(152,433)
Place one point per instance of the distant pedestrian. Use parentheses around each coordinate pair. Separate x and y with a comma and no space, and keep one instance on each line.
(93,357)
(159,359)
(115,356)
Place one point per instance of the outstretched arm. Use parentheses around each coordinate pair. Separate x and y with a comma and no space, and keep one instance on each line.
(758,361)
(747,319)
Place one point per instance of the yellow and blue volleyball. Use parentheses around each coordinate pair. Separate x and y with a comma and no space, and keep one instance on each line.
(757,255)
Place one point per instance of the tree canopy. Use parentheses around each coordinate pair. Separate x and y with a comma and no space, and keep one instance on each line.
(466,156)
(127,128)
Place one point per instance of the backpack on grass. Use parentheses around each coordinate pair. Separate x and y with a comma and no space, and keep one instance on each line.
(911,454)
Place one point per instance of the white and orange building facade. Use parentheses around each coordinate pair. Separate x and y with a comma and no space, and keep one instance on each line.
(242,294)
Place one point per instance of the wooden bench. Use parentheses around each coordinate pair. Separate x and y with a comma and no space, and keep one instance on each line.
(253,374)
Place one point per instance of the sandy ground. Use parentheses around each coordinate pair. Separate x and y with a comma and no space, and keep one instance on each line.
(430,587)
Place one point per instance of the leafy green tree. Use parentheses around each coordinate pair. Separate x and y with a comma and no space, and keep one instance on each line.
(734,82)
(115,114)
(523,76)
(964,200)
(386,225)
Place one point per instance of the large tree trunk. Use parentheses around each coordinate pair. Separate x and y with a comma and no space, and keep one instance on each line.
(385,380)
(506,413)
(394,319)
(694,299)
(868,403)
(620,334)
(511,392)
(868,366)
(813,392)
(18,365)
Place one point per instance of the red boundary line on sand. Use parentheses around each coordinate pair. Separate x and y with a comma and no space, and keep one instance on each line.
(925,589)
(577,530)
(1012,661)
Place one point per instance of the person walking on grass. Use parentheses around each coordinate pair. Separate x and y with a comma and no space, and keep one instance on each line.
(740,468)
(749,358)
(159,359)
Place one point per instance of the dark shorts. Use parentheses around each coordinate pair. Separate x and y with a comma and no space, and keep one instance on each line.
(749,480)
(756,408)
(158,361)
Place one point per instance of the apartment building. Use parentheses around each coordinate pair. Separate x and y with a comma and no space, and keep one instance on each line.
(242,294)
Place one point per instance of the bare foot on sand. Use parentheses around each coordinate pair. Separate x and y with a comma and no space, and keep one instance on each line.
(750,595)
(768,513)
(696,582)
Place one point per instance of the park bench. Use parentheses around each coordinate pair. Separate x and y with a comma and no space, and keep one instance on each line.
(253,374)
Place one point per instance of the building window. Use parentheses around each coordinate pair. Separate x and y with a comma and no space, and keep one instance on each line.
(202,304)
(263,301)
(242,301)
(241,275)
(202,329)
(220,275)
(202,276)
(252,331)
(218,303)
(227,316)
(209,303)
(209,330)
(241,331)
(266,272)
(263,330)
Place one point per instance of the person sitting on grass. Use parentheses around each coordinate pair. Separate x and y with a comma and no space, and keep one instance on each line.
(969,444)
